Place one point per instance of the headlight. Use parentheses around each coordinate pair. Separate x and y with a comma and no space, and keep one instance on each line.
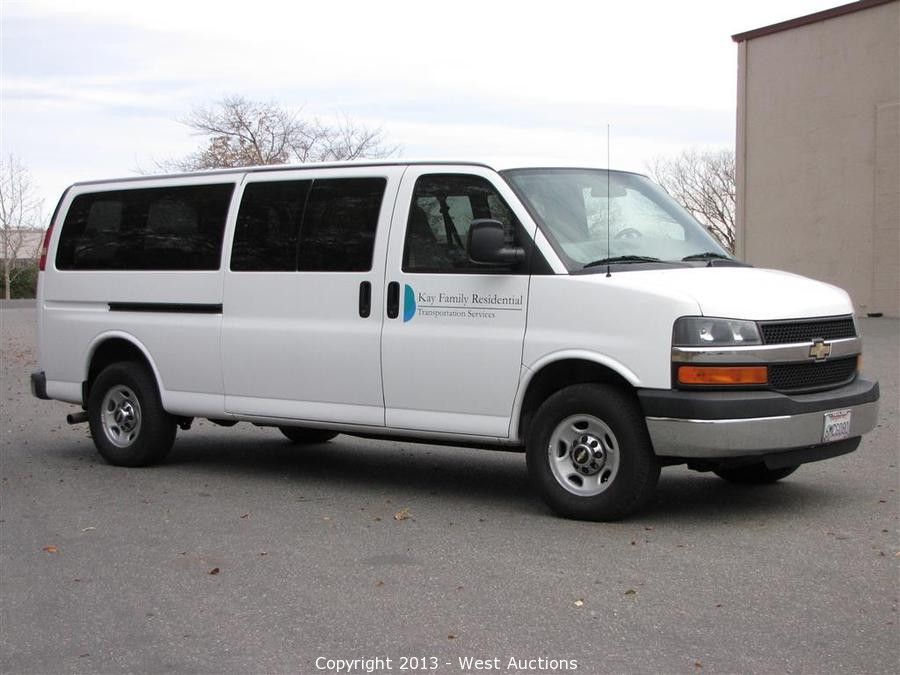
(700,331)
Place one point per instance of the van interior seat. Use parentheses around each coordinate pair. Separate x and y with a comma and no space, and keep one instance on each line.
(423,251)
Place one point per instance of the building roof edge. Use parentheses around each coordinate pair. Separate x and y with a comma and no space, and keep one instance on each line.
(809,19)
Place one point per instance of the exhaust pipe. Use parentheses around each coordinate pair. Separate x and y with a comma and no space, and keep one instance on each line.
(77,418)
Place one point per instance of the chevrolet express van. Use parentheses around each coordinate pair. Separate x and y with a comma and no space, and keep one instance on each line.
(578,315)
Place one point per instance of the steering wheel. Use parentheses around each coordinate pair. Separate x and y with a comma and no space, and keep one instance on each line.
(628,233)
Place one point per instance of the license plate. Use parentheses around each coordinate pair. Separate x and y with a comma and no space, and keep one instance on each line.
(837,426)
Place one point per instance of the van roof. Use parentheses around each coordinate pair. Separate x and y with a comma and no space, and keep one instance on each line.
(494,164)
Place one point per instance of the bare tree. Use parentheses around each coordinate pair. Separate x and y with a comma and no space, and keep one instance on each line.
(20,220)
(241,132)
(702,181)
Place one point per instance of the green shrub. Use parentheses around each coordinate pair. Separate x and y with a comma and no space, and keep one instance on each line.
(24,285)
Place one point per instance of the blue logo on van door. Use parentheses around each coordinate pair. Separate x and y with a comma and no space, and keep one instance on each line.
(409,303)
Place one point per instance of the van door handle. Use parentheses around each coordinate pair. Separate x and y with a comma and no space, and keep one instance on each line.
(393,300)
(365,299)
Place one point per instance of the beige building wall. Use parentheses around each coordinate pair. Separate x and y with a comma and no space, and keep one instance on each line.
(818,152)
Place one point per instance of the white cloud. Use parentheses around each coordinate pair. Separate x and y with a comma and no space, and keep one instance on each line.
(95,86)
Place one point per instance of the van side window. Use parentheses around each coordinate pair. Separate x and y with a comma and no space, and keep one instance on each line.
(443,206)
(171,228)
(322,225)
(265,237)
(338,230)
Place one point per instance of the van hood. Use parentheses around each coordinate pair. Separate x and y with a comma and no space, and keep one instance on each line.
(745,292)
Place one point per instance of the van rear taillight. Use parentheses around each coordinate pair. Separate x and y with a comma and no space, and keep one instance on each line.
(45,247)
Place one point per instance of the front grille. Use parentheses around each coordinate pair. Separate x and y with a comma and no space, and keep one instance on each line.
(808,376)
(786,332)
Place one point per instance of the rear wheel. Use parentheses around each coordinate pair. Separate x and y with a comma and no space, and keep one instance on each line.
(754,474)
(589,454)
(306,436)
(128,423)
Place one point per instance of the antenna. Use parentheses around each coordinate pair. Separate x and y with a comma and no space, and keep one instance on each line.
(608,224)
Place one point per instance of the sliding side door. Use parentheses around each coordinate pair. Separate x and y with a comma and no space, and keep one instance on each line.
(303,295)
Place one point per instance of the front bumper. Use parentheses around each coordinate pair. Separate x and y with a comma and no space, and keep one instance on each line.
(721,425)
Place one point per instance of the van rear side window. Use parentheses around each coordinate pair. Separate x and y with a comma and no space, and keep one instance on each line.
(171,228)
(265,237)
(338,231)
(325,225)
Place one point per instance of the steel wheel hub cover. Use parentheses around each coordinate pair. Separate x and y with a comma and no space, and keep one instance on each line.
(583,454)
(120,416)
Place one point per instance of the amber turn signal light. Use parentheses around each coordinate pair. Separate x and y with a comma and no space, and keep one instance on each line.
(723,375)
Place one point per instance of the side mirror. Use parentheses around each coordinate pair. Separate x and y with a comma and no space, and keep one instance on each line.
(486,244)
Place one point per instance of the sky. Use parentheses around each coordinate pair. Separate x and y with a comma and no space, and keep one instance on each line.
(94,90)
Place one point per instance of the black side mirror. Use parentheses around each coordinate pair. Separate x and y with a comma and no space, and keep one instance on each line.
(487,245)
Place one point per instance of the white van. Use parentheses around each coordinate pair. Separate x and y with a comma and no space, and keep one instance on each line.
(577,314)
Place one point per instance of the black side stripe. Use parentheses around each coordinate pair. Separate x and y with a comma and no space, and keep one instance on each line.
(167,307)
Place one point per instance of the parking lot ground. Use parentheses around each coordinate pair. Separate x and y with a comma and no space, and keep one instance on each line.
(245,554)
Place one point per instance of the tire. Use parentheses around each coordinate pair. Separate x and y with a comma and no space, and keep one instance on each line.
(305,436)
(755,474)
(589,454)
(127,420)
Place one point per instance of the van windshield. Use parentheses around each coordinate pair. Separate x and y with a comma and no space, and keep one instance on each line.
(594,217)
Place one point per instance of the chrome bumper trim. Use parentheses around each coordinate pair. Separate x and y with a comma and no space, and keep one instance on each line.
(755,436)
(764,354)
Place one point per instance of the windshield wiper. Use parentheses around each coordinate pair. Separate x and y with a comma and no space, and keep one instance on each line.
(621,259)
(709,255)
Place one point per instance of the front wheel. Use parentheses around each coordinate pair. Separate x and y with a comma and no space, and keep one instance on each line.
(755,474)
(127,420)
(589,455)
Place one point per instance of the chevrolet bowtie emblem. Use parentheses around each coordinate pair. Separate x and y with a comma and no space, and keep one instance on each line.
(820,350)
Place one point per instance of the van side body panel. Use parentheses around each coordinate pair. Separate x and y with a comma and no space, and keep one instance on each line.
(155,310)
(606,319)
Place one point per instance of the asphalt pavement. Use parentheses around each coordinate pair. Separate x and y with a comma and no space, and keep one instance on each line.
(245,554)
